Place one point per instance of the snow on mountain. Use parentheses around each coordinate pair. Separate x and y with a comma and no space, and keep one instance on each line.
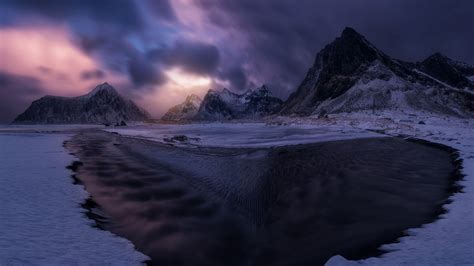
(454,73)
(350,74)
(102,105)
(225,105)
(184,111)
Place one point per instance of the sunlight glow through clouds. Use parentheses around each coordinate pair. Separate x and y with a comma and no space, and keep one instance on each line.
(186,80)
(46,53)
(179,85)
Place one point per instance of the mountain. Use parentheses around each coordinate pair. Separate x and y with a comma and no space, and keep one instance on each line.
(351,74)
(102,105)
(224,105)
(184,111)
(453,73)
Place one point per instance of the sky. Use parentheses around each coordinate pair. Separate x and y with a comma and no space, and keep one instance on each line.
(159,51)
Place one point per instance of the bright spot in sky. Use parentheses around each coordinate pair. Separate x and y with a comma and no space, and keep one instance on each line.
(179,85)
(48,54)
(187,80)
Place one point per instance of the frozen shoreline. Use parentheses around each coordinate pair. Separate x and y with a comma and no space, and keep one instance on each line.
(285,202)
(446,241)
(42,221)
(242,135)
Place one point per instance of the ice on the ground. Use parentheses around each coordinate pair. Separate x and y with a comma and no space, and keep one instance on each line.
(41,221)
(243,134)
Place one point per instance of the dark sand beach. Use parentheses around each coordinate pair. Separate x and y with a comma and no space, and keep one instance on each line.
(293,205)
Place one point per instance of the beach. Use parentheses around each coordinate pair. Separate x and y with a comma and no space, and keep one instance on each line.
(42,221)
(286,205)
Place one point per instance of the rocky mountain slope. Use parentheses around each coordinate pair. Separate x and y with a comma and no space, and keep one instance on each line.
(351,74)
(453,73)
(102,105)
(184,111)
(224,105)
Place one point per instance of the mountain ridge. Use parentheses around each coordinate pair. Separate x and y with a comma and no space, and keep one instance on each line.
(226,105)
(185,110)
(351,74)
(103,105)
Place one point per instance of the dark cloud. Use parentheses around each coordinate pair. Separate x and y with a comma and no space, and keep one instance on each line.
(161,9)
(236,77)
(143,72)
(245,42)
(93,74)
(104,29)
(123,13)
(283,36)
(195,57)
(16,93)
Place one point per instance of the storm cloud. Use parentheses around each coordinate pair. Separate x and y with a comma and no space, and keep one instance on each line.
(237,44)
(93,74)
(143,72)
(15,92)
(124,13)
(283,37)
(196,57)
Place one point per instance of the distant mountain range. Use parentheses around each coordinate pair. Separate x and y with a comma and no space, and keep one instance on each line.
(103,105)
(350,74)
(184,111)
(225,105)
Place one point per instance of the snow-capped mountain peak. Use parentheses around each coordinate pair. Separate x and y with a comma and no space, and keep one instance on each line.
(185,110)
(102,89)
(225,104)
(453,73)
(351,74)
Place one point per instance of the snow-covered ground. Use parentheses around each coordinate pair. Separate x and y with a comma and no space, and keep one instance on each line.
(41,221)
(42,128)
(243,134)
(449,240)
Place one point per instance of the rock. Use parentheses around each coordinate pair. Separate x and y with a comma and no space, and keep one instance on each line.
(179,138)
(323,114)
(121,124)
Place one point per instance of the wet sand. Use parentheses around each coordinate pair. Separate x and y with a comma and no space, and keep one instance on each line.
(293,205)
